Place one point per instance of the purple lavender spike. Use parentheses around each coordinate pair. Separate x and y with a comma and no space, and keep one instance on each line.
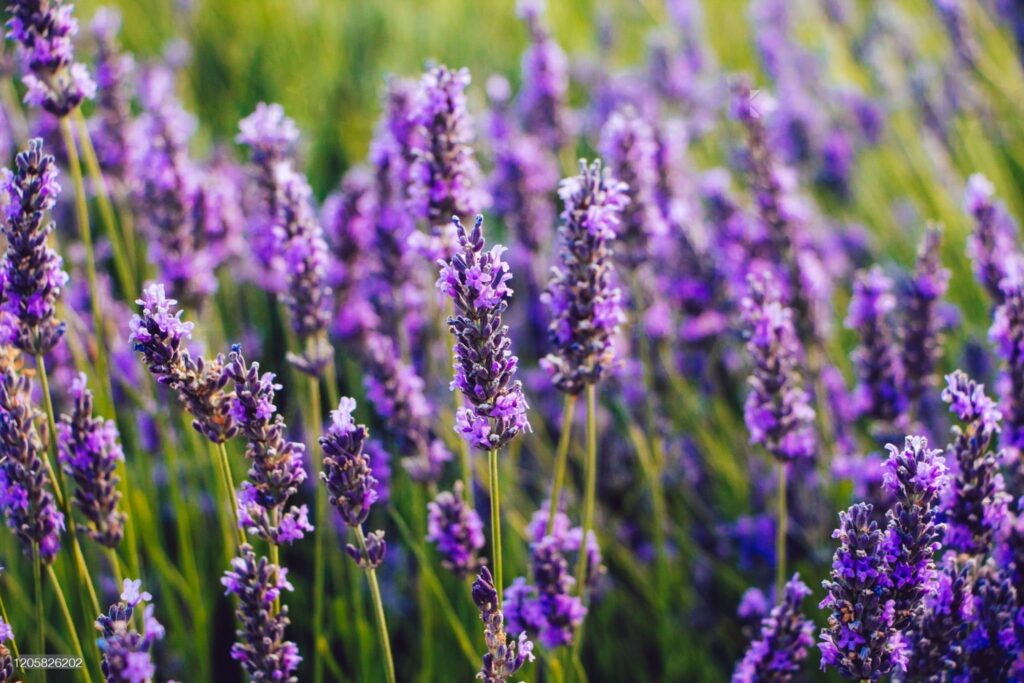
(44,29)
(786,635)
(937,636)
(1007,335)
(545,72)
(920,333)
(504,657)
(111,124)
(879,394)
(126,653)
(457,531)
(89,450)
(261,648)
(992,247)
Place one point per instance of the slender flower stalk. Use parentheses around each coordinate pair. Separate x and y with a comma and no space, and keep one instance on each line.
(504,657)
(6,663)
(126,653)
(347,477)
(786,635)
(477,283)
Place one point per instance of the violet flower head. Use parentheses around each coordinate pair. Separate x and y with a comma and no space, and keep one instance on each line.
(32,272)
(126,653)
(916,476)
(45,30)
(937,637)
(559,613)
(25,496)
(860,640)
(268,133)
(159,335)
(975,506)
(545,74)
(585,304)
(457,531)
(1007,335)
(445,179)
(629,148)
(992,246)
(777,654)
(777,411)
(276,471)
(477,282)
(879,394)
(88,448)
(921,332)
(111,123)
(504,657)
(6,662)
(346,471)
(261,647)
(991,646)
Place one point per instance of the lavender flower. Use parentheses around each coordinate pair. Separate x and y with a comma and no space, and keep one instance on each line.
(276,471)
(1007,334)
(777,410)
(785,636)
(45,29)
(990,647)
(920,333)
(89,451)
(558,613)
(444,177)
(992,246)
(879,392)
(457,531)
(261,648)
(937,637)
(860,640)
(503,657)
(916,476)
(28,504)
(32,275)
(111,124)
(349,480)
(126,653)
(545,71)
(477,282)
(159,334)
(628,145)
(6,663)
(584,302)
(976,504)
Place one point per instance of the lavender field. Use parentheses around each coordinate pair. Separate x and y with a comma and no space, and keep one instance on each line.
(598,341)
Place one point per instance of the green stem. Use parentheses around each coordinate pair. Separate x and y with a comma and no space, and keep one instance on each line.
(76,644)
(564,439)
(492,462)
(464,454)
(590,479)
(228,483)
(378,608)
(780,534)
(322,521)
(59,485)
(37,575)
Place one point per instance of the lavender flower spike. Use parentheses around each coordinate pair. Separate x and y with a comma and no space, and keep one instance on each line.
(503,657)
(159,334)
(778,412)
(276,471)
(88,449)
(545,72)
(27,502)
(916,476)
(45,29)
(32,275)
(992,246)
(126,653)
(920,334)
(976,504)
(860,641)
(585,305)
(485,368)
(786,634)
(6,663)
(347,475)
(879,393)
(445,179)
(457,530)
(1007,334)
(261,648)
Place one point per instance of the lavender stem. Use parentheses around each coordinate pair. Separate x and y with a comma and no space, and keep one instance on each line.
(318,537)
(227,481)
(492,462)
(37,574)
(76,644)
(590,478)
(780,533)
(564,439)
(378,609)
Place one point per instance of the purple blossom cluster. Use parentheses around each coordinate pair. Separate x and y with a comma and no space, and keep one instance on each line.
(778,412)
(32,271)
(920,334)
(126,653)
(992,246)
(879,394)
(45,30)
(542,99)
(782,644)
(89,450)
(6,662)
(1007,335)
(504,656)
(477,283)
(455,528)
(260,647)
(25,496)
(585,304)
(276,471)
(111,124)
